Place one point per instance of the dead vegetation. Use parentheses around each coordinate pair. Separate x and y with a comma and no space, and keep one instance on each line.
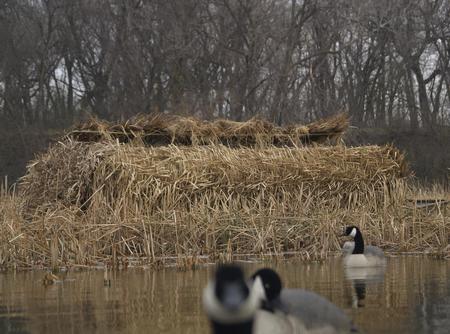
(162,129)
(175,178)
(126,234)
(115,204)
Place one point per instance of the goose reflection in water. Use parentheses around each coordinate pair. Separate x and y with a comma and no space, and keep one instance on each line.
(360,278)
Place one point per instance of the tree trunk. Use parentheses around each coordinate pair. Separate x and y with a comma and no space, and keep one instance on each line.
(70,104)
(425,110)
(410,98)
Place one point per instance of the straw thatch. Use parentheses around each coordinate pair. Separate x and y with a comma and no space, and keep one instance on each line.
(164,189)
(161,129)
(91,199)
(109,203)
(62,175)
(71,172)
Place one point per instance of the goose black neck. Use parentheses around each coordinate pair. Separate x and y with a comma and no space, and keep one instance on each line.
(239,328)
(359,244)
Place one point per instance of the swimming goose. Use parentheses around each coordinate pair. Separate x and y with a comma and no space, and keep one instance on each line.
(358,255)
(229,302)
(296,310)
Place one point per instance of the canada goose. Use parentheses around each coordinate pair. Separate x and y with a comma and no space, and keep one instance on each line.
(358,255)
(296,310)
(229,302)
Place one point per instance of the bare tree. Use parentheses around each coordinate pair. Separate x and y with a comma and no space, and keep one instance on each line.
(385,62)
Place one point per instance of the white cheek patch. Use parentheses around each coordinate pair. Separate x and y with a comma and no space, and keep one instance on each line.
(258,288)
(353,233)
(218,313)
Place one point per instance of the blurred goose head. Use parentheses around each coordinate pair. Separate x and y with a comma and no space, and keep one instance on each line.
(229,302)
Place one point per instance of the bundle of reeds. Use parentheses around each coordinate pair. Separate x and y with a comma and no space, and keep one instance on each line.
(126,234)
(161,129)
(174,177)
(85,203)
(62,175)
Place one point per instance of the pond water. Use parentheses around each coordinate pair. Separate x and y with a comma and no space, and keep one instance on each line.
(412,295)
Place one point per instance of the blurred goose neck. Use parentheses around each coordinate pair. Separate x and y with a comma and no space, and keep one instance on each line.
(235,328)
(359,243)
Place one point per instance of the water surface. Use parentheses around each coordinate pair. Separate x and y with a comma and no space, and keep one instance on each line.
(411,296)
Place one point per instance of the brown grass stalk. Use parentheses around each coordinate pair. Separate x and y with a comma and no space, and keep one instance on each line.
(90,204)
(162,129)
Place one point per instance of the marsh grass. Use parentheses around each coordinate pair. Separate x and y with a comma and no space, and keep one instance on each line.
(162,129)
(116,205)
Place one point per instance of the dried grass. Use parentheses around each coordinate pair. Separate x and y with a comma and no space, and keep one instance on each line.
(161,129)
(62,175)
(88,204)
(68,237)
(73,173)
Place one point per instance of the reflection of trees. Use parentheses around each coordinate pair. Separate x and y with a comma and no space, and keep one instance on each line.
(12,320)
(170,300)
(141,300)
